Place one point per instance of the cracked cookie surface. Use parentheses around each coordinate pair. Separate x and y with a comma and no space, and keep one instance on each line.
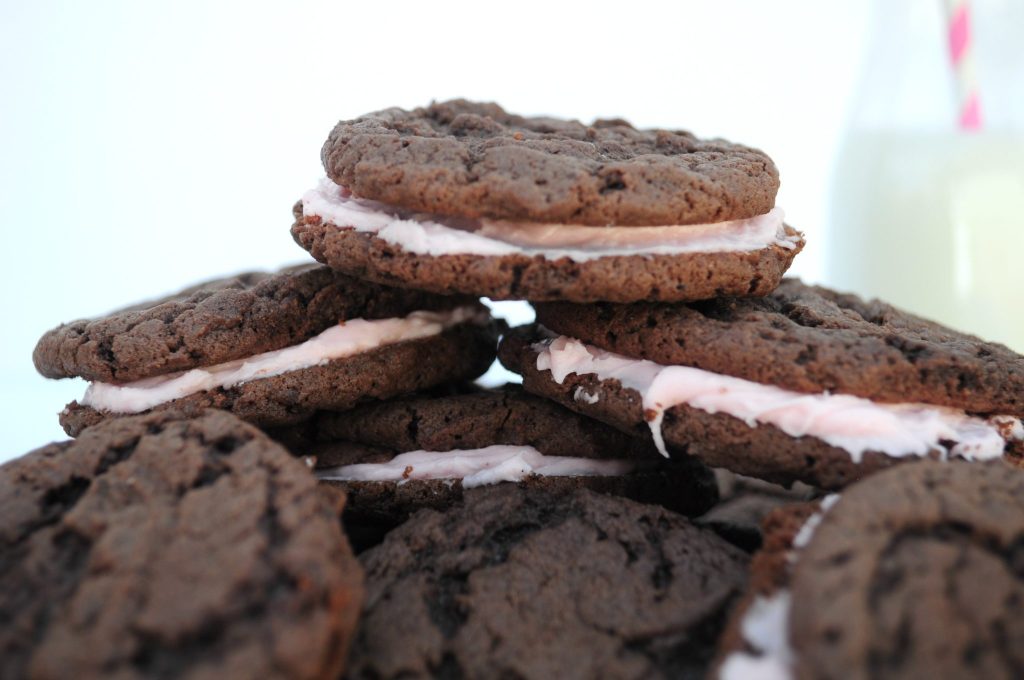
(521,583)
(473,159)
(160,546)
(219,321)
(917,572)
(913,573)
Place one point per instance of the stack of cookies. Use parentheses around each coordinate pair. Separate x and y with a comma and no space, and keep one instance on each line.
(293,475)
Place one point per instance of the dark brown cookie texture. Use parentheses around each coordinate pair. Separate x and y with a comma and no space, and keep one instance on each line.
(616,278)
(475,160)
(460,353)
(219,321)
(376,433)
(158,546)
(718,439)
(526,584)
(236,318)
(767,591)
(809,339)
(914,573)
(506,415)
(744,505)
(460,161)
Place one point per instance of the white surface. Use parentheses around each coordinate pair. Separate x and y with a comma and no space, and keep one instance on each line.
(146,146)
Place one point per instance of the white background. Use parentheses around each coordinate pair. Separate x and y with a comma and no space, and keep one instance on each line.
(145,146)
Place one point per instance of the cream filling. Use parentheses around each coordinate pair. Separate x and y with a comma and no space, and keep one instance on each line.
(344,340)
(850,423)
(765,624)
(426,234)
(763,629)
(477,467)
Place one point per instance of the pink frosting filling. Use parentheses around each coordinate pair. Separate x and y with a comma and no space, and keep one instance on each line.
(844,421)
(477,467)
(434,235)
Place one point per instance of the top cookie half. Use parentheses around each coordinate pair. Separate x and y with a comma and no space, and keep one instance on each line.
(270,348)
(461,197)
(218,321)
(474,160)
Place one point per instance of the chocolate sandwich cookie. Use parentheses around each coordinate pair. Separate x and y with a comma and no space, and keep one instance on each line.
(271,348)
(804,384)
(395,457)
(913,573)
(462,197)
(526,584)
(157,546)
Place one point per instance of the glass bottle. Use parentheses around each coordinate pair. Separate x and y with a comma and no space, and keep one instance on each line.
(924,213)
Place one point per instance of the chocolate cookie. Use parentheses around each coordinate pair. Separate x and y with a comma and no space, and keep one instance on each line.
(465,198)
(521,583)
(272,348)
(504,415)
(395,457)
(460,353)
(218,321)
(748,427)
(475,160)
(157,546)
(914,573)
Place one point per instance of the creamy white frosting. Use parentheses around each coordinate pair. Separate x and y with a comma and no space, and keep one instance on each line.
(764,628)
(765,624)
(425,234)
(343,340)
(583,396)
(850,423)
(803,537)
(477,467)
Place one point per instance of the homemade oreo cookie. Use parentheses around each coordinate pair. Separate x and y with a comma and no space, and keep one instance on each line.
(157,546)
(461,197)
(804,384)
(271,348)
(395,457)
(913,573)
(527,584)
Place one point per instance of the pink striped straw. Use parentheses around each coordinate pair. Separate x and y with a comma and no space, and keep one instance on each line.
(961,54)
